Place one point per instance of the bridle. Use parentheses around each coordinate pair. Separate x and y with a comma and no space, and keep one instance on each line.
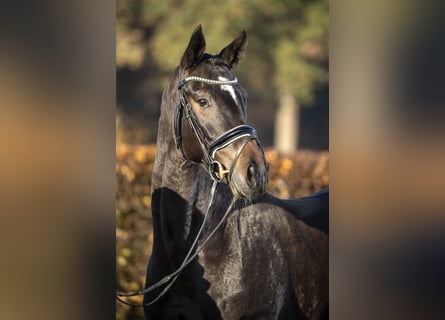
(215,169)
(209,149)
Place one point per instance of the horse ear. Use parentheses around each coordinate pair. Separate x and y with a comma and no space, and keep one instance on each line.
(195,48)
(235,51)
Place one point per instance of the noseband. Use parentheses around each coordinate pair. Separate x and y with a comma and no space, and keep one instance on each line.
(216,170)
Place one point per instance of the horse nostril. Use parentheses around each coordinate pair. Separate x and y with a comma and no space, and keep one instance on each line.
(251,175)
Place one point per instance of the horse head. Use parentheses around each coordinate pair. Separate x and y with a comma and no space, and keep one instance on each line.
(210,122)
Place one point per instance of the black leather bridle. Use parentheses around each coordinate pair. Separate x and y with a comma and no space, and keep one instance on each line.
(215,169)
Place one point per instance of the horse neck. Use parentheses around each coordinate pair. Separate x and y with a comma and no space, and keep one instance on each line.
(180,189)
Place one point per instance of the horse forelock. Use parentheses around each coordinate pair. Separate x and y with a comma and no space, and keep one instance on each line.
(212,67)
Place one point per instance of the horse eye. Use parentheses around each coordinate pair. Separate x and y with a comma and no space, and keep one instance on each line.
(203,102)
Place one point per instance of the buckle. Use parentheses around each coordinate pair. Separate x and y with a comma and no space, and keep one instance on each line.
(217,171)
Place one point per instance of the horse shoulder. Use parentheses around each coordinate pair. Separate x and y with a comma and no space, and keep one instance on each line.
(261,262)
(302,237)
(300,250)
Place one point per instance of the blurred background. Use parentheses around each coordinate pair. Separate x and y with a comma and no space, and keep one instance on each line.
(285,73)
(285,70)
(63,176)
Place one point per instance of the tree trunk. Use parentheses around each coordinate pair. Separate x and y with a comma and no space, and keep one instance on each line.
(286,123)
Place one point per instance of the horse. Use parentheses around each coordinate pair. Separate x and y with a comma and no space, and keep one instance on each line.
(223,248)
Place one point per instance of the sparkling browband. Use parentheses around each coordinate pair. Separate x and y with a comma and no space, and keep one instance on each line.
(209,81)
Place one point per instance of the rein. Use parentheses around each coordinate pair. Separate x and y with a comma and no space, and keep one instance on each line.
(214,168)
(187,260)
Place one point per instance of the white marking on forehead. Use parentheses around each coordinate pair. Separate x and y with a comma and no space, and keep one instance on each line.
(229,88)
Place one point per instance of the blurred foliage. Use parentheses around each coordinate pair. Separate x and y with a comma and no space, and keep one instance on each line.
(288,47)
(134,166)
(289,38)
(290,176)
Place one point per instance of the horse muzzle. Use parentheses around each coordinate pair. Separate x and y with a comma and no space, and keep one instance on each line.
(249,176)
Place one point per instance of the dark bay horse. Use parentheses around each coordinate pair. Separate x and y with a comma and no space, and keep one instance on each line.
(267,258)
